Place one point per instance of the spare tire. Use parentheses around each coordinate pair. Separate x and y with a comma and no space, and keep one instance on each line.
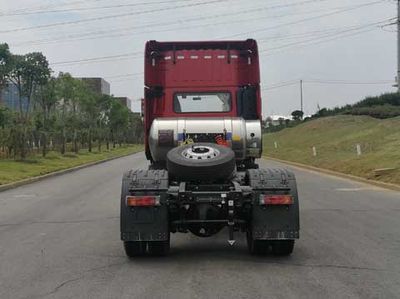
(201,161)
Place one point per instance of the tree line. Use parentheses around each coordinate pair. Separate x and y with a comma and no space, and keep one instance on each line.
(386,105)
(58,112)
(383,106)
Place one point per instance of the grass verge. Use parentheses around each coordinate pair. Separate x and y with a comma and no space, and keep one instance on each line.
(335,140)
(13,171)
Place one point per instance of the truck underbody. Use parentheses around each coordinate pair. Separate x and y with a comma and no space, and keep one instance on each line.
(261,203)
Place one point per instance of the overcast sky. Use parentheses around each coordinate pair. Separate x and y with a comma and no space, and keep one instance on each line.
(344,50)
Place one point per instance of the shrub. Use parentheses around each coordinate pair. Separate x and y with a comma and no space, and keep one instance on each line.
(384,106)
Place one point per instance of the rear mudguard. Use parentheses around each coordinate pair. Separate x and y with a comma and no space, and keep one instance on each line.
(144,223)
(278,222)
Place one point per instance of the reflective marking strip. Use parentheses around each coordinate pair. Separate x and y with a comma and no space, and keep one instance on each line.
(248,60)
(180,57)
(180,136)
(234,56)
(228,136)
(194,57)
(221,56)
(207,57)
(167,57)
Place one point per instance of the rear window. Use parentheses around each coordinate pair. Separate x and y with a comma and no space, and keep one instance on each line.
(202,102)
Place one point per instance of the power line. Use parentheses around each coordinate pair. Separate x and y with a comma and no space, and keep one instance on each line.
(48,6)
(111,16)
(124,75)
(76,37)
(381,82)
(335,35)
(21,13)
(280,85)
(96,59)
(324,81)
(324,40)
(113,58)
(304,20)
(314,33)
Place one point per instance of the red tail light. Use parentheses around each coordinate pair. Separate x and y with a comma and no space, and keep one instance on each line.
(142,201)
(276,199)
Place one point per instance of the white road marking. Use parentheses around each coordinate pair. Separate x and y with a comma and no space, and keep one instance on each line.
(24,195)
(354,189)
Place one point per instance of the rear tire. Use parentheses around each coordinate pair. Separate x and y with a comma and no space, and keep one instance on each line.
(135,248)
(257,247)
(158,248)
(282,247)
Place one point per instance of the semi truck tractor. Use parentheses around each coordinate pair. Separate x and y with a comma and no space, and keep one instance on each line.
(203,134)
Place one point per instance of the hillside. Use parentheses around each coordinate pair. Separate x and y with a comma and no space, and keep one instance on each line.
(335,139)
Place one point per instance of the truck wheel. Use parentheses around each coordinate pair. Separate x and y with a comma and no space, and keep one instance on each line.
(282,247)
(134,248)
(201,161)
(158,248)
(257,247)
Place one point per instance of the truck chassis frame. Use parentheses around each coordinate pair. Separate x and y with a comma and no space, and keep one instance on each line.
(235,203)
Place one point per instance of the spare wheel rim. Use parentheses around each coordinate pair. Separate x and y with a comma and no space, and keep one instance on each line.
(200,152)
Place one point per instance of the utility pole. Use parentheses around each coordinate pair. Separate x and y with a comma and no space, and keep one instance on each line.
(398,46)
(301,91)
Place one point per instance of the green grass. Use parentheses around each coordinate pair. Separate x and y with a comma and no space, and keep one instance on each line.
(335,139)
(12,171)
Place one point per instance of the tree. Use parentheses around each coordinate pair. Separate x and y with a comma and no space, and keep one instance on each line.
(135,129)
(297,115)
(103,104)
(71,93)
(5,65)
(28,72)
(5,125)
(119,119)
(61,107)
(90,111)
(268,121)
(46,100)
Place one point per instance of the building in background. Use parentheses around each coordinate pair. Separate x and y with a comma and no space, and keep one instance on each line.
(125,101)
(97,85)
(10,98)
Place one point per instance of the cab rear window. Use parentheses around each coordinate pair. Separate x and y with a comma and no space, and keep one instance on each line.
(202,102)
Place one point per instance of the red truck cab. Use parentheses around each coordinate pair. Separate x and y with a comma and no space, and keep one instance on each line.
(177,73)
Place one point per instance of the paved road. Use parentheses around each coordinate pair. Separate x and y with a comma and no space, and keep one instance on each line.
(59,238)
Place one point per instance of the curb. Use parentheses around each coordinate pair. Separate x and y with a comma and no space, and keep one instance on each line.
(339,174)
(57,173)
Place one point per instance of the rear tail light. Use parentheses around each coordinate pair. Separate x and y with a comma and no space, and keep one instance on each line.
(276,199)
(142,201)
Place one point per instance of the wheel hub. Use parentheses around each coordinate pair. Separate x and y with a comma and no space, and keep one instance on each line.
(200,152)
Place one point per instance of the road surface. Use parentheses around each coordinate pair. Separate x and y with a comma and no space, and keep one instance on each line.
(59,238)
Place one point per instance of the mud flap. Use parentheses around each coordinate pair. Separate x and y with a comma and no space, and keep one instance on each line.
(145,223)
(274,222)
